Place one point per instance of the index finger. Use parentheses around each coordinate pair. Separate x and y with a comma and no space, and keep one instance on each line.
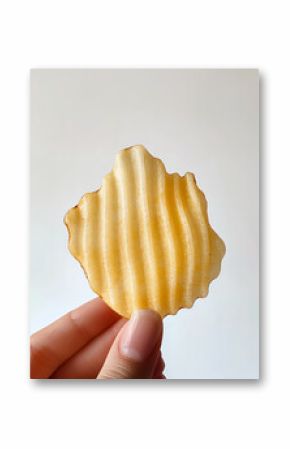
(56,343)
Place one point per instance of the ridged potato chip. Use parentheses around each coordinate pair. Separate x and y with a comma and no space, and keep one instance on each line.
(144,239)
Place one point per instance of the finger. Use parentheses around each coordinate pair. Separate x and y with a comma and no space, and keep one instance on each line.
(87,363)
(162,376)
(134,352)
(158,370)
(56,343)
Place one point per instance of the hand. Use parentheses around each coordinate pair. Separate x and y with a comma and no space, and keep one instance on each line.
(93,341)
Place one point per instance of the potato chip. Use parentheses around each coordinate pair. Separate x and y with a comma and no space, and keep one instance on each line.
(143,239)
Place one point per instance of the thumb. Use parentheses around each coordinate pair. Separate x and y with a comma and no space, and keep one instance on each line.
(135,350)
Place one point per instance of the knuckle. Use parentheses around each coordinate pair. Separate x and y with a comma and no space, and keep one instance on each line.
(73,317)
(119,370)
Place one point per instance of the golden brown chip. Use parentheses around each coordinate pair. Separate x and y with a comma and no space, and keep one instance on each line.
(143,239)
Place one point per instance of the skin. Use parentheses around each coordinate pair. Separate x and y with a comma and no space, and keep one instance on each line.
(85,344)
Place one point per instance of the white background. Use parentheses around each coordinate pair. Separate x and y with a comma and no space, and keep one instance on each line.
(205,414)
(205,121)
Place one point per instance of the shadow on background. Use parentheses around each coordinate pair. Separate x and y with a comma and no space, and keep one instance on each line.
(136,384)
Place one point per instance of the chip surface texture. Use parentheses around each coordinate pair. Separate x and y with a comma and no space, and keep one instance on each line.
(144,239)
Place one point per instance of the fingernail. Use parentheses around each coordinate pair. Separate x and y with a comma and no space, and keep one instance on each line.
(140,335)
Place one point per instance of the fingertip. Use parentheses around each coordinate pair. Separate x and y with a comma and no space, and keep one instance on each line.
(140,335)
(136,349)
